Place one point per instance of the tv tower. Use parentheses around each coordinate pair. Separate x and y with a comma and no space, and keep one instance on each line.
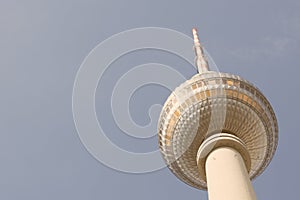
(217,131)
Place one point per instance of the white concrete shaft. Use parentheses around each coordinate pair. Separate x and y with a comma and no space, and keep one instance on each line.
(227,177)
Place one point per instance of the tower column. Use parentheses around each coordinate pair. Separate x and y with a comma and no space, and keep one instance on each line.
(227,176)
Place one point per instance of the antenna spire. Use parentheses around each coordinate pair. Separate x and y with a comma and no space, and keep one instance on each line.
(200,60)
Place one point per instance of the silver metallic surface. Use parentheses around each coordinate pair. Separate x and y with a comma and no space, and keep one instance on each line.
(211,103)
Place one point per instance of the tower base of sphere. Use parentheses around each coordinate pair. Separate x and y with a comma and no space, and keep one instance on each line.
(227,176)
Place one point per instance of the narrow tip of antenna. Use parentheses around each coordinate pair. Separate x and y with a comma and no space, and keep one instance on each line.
(201,61)
(195,35)
(194,30)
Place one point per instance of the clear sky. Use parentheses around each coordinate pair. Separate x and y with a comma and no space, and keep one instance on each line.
(42,45)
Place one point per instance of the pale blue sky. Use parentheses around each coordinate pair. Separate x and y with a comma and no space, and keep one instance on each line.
(43,43)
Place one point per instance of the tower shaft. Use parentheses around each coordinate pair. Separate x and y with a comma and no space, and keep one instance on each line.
(227,176)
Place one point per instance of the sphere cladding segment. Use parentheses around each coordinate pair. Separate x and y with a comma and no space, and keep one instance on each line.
(212,103)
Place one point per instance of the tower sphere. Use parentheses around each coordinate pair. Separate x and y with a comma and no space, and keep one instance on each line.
(211,110)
